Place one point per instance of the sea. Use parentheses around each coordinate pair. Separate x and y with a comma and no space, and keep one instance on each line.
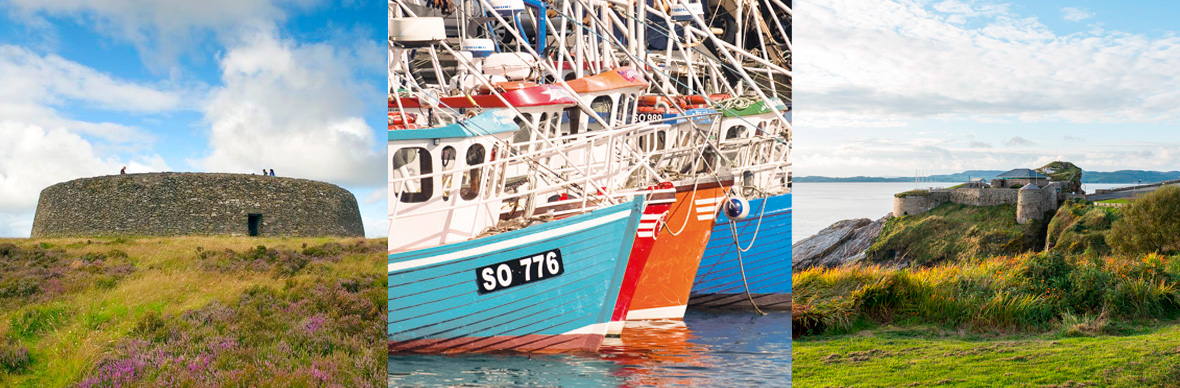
(737,349)
(819,205)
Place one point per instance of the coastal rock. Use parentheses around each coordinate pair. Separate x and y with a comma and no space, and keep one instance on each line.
(841,243)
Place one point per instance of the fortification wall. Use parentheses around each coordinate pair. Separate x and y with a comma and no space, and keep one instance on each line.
(983,196)
(171,204)
(918,204)
(1030,203)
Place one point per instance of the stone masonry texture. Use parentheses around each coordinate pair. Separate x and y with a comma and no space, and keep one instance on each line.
(177,204)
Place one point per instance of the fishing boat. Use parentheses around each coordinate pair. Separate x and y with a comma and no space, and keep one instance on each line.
(659,202)
(556,112)
(545,288)
(747,262)
(664,285)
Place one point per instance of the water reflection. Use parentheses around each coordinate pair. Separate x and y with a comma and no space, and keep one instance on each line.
(708,349)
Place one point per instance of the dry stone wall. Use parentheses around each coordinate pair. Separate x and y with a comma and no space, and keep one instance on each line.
(173,204)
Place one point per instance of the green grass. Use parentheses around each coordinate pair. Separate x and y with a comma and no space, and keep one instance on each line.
(1079,227)
(1146,356)
(227,311)
(913,193)
(953,232)
(1116,200)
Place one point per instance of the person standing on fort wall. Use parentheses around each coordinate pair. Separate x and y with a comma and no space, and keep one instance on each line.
(123,171)
(272,172)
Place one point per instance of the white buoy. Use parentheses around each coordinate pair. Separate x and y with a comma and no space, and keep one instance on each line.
(417,32)
(736,208)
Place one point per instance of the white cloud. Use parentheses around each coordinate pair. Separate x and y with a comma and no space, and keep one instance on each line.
(42,144)
(33,157)
(37,88)
(1017,141)
(163,29)
(1073,14)
(900,59)
(296,108)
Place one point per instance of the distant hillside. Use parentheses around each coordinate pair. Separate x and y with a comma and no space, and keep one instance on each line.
(1129,176)
(957,177)
(1121,176)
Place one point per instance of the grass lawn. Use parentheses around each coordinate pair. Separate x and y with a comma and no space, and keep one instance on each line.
(888,356)
(192,311)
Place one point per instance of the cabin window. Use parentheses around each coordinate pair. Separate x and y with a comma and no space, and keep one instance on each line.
(627,109)
(470,186)
(492,179)
(448,164)
(543,124)
(601,105)
(411,162)
(737,131)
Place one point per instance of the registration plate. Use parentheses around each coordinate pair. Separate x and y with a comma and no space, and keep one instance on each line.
(644,117)
(515,272)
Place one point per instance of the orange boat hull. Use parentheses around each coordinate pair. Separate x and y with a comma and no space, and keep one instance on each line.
(664,285)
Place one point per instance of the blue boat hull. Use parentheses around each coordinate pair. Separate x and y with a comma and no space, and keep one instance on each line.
(765,240)
(545,288)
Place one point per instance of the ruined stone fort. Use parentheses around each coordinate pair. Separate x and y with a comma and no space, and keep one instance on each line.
(178,204)
(1032,193)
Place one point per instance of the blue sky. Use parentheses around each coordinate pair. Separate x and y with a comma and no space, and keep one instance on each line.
(885,88)
(177,85)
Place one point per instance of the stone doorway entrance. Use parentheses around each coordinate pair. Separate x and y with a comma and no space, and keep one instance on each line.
(254,221)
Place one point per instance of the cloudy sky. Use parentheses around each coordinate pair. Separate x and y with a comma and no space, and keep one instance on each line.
(89,86)
(884,88)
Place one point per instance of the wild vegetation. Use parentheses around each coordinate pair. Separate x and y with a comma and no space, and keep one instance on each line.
(1079,227)
(953,232)
(1027,292)
(129,312)
(1150,224)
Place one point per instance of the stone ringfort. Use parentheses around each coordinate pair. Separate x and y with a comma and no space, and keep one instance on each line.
(179,204)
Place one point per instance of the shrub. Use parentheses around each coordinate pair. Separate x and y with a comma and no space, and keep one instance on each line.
(13,358)
(1150,224)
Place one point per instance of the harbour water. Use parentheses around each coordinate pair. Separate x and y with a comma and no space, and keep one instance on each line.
(706,349)
(819,205)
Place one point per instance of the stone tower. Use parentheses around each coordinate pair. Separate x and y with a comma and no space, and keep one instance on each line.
(1029,204)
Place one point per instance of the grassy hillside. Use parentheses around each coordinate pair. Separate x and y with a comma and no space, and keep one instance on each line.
(192,311)
(1080,227)
(952,232)
(1062,172)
